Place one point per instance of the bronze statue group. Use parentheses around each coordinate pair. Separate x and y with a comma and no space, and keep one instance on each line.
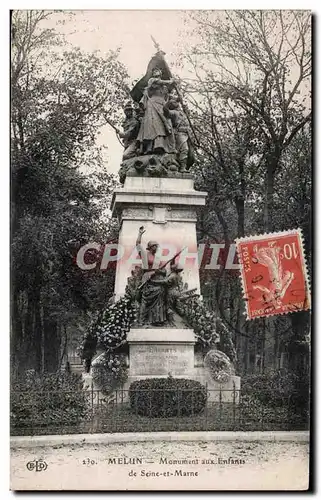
(156,129)
(159,291)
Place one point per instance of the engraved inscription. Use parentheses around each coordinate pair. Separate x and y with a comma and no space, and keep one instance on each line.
(161,360)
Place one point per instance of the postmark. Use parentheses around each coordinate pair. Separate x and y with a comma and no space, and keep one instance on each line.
(273,273)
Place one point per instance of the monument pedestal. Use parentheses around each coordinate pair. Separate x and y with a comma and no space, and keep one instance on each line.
(160,352)
(163,352)
(167,208)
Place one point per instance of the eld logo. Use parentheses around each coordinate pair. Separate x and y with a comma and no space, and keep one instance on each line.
(37,465)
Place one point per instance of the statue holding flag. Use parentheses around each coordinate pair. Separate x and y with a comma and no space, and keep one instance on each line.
(156,134)
(163,144)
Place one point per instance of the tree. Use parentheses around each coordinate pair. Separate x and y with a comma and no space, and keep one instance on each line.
(261,62)
(248,96)
(57,111)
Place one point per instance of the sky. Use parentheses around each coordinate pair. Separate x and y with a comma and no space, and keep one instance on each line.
(129,30)
(103,30)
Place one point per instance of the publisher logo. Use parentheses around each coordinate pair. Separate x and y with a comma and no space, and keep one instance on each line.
(37,465)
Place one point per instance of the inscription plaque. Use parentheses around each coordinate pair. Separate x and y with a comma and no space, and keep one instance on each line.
(161,359)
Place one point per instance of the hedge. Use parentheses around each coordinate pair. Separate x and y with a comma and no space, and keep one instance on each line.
(167,397)
(50,400)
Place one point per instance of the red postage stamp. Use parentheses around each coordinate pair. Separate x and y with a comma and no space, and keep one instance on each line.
(273,273)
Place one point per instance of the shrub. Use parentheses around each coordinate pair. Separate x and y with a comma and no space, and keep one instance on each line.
(167,397)
(277,388)
(50,400)
(253,410)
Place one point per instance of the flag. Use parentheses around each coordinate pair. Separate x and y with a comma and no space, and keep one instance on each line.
(156,61)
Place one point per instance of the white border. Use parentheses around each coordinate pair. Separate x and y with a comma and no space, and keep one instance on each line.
(4,48)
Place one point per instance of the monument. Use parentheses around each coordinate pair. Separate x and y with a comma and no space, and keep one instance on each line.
(157,209)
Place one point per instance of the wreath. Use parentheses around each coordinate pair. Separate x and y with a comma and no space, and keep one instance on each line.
(109,371)
(219,366)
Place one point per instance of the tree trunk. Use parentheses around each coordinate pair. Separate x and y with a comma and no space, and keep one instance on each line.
(272,163)
(16,326)
(51,344)
(298,349)
(240,202)
(268,206)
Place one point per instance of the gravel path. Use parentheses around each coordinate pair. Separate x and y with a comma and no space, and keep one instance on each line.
(265,465)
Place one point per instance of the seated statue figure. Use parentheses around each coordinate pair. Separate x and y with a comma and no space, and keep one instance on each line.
(159,292)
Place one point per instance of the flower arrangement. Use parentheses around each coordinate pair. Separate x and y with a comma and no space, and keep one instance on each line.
(210,330)
(109,333)
(114,324)
(219,366)
(109,371)
(198,317)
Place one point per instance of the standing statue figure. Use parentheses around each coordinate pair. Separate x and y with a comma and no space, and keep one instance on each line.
(156,131)
(130,130)
(181,133)
(152,293)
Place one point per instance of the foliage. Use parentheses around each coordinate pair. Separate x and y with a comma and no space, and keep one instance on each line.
(257,63)
(248,95)
(219,366)
(167,397)
(60,185)
(109,371)
(54,399)
(276,388)
(210,331)
(252,409)
(114,324)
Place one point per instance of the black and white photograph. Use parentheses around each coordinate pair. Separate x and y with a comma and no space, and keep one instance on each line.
(160,249)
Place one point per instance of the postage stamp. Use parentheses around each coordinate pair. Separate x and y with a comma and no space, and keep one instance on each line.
(132,367)
(273,273)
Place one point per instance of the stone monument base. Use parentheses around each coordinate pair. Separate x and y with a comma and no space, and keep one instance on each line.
(163,352)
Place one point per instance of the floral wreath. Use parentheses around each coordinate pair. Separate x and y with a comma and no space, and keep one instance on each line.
(219,366)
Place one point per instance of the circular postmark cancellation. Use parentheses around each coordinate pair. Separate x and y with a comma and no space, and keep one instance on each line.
(273,273)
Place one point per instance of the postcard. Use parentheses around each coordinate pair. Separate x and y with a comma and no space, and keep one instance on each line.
(160,250)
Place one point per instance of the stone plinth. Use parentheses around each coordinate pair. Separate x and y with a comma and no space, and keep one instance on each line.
(155,190)
(158,352)
(166,207)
